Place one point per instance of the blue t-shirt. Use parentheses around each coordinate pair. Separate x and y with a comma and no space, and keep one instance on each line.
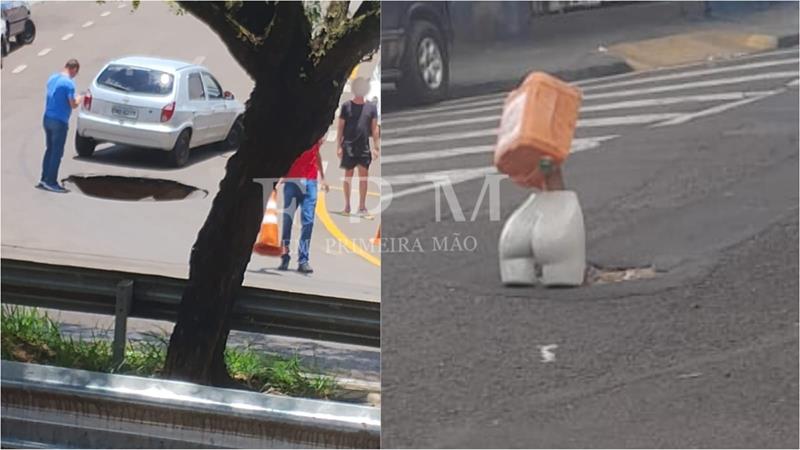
(60,92)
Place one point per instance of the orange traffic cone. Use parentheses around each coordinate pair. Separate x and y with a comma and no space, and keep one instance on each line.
(267,243)
(377,237)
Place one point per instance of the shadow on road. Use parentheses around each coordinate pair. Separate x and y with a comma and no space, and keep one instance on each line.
(145,158)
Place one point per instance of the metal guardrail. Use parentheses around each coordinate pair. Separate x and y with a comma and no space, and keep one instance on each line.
(52,407)
(156,297)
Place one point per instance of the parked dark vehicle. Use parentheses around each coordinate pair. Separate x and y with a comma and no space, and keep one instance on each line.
(416,39)
(17,24)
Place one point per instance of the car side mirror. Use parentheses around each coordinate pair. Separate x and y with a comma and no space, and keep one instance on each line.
(228,95)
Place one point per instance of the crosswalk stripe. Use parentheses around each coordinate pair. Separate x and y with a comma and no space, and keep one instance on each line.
(696,84)
(431,180)
(683,118)
(696,73)
(496,99)
(578,145)
(738,59)
(629,104)
(585,123)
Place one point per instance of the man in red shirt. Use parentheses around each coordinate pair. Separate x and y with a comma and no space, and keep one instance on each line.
(300,189)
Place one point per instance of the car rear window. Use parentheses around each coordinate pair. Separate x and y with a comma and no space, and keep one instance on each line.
(136,80)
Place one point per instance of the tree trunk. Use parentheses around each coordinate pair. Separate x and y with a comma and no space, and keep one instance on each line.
(222,251)
(285,115)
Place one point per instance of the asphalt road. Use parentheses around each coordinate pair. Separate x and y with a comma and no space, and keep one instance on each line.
(691,170)
(146,237)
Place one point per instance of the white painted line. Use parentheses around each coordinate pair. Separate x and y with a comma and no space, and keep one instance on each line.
(793,83)
(449,175)
(19,69)
(199,60)
(695,73)
(497,102)
(105,14)
(578,145)
(491,132)
(683,118)
(695,85)
(67,37)
(390,120)
(87,24)
(44,51)
(433,180)
(497,98)
(121,5)
(738,59)
(631,104)
(546,352)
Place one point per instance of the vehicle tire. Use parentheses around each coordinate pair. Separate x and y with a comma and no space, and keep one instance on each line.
(234,138)
(29,34)
(179,155)
(84,146)
(425,68)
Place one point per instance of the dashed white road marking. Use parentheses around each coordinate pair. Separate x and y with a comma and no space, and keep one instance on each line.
(19,68)
(44,51)
(67,37)
(105,14)
(121,5)
(546,352)
(87,24)
(793,83)
(199,60)
(578,145)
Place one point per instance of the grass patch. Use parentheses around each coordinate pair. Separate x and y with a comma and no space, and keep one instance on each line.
(32,337)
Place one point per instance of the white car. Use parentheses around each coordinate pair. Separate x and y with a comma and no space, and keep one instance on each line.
(157,103)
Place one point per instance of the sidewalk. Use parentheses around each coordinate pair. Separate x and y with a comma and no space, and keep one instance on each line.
(615,39)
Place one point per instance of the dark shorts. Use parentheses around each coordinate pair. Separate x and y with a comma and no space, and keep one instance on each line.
(350,162)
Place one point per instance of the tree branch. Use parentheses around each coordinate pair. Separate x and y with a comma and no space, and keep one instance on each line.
(242,43)
(348,43)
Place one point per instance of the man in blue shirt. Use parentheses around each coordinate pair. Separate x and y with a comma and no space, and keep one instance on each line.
(61,100)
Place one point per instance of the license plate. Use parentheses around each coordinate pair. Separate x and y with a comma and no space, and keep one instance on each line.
(122,111)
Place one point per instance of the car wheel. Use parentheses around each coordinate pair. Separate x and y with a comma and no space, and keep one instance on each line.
(84,146)
(426,71)
(180,152)
(234,138)
(29,34)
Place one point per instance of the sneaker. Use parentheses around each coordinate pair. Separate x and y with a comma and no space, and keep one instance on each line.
(284,262)
(53,188)
(305,268)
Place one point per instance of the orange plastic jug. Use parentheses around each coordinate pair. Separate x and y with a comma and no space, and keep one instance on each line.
(538,123)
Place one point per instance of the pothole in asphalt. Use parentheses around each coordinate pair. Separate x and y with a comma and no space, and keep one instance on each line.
(134,188)
(601,275)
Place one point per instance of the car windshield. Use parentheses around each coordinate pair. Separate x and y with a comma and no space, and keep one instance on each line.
(136,80)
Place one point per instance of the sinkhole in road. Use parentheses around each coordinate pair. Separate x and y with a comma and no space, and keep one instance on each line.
(113,187)
(601,275)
